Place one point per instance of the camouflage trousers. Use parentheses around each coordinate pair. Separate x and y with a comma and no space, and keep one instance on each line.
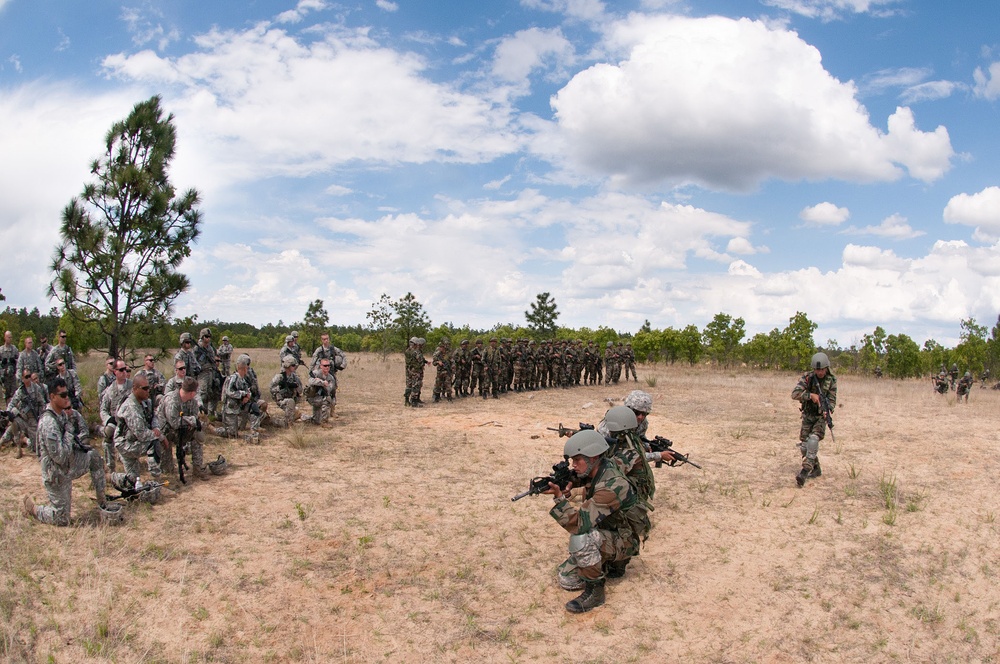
(130,451)
(109,445)
(20,426)
(630,367)
(442,384)
(9,381)
(462,378)
(287,406)
(414,383)
(322,406)
(207,392)
(611,372)
(592,550)
(234,421)
(476,380)
(59,485)
(518,377)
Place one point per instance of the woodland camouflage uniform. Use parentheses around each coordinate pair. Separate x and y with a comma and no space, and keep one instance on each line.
(415,363)
(442,380)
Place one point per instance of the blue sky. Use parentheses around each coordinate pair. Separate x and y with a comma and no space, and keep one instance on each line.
(639,160)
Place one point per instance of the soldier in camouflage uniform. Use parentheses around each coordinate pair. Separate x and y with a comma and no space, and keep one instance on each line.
(286,389)
(60,351)
(224,352)
(610,363)
(177,414)
(44,348)
(321,392)
(106,378)
(180,373)
(557,364)
(26,406)
(290,349)
(157,381)
(8,366)
(415,362)
(442,380)
(517,364)
(630,363)
(138,432)
(72,383)
(964,387)
(259,406)
(820,380)
(477,381)
(186,355)
(238,410)
(491,368)
(589,368)
(462,361)
(326,350)
(30,360)
(63,459)
(209,379)
(605,530)
(530,370)
(114,395)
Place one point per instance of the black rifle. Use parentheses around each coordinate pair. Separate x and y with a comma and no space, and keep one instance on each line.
(133,494)
(661,444)
(824,407)
(561,476)
(566,432)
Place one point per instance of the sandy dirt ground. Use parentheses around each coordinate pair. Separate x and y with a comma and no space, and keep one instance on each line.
(390,536)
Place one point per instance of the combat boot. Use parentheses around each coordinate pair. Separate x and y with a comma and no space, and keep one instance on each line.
(416,403)
(591,598)
(816,471)
(807,469)
(616,569)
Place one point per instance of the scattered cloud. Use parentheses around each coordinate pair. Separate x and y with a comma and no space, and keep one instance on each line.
(386,5)
(588,10)
(824,214)
(337,190)
(988,81)
(302,9)
(726,104)
(828,10)
(894,227)
(930,91)
(64,41)
(981,210)
(145,25)
(516,57)
(15,62)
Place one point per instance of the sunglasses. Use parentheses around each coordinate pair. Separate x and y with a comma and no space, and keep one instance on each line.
(180,368)
(121,369)
(62,395)
(144,388)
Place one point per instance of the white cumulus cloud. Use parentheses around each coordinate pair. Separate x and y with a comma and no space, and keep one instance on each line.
(824,214)
(981,210)
(988,81)
(727,104)
(894,226)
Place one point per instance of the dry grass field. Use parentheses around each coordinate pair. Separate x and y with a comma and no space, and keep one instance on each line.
(391,536)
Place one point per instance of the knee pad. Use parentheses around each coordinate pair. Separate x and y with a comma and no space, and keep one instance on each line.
(812,446)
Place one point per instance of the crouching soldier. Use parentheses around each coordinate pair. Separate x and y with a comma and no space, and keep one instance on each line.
(605,530)
(26,406)
(138,434)
(286,389)
(178,415)
(64,458)
(240,409)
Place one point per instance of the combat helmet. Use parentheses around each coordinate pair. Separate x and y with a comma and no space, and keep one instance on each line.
(639,401)
(819,361)
(588,443)
(620,418)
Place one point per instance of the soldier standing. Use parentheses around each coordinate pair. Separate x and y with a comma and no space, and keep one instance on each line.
(224,352)
(415,362)
(491,368)
(461,360)
(209,380)
(476,379)
(819,381)
(61,351)
(8,366)
(30,360)
(112,398)
(630,363)
(442,380)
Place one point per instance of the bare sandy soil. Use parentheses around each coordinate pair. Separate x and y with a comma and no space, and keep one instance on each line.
(390,536)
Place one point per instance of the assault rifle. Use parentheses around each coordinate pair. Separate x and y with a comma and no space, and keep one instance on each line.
(661,444)
(566,432)
(824,408)
(133,493)
(561,476)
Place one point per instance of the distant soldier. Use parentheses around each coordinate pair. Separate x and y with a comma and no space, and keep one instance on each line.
(491,368)
(878,371)
(157,381)
(953,374)
(180,373)
(983,377)
(8,366)
(44,348)
(610,363)
(224,352)
(414,358)
(630,363)
(530,367)
(476,376)
(106,378)
(290,349)
(114,395)
(964,387)
(25,407)
(441,359)
(462,362)
(286,389)
(817,383)
(138,432)
(209,379)
(186,355)
(177,416)
(72,384)
(29,360)
(60,351)
(63,459)
(517,359)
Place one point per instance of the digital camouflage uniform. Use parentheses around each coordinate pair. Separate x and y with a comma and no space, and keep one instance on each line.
(26,406)
(113,397)
(224,352)
(103,381)
(415,362)
(442,379)
(319,393)
(157,383)
(73,386)
(209,379)
(32,361)
(813,427)
(286,390)
(236,413)
(62,461)
(609,525)
(178,422)
(134,437)
(59,352)
(8,373)
(188,358)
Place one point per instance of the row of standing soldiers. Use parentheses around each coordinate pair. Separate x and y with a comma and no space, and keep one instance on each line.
(508,366)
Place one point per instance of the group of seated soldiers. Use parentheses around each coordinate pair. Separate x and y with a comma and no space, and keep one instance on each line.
(149,416)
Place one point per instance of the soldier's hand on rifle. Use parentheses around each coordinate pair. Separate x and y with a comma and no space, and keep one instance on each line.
(667,456)
(554,490)
(814,398)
